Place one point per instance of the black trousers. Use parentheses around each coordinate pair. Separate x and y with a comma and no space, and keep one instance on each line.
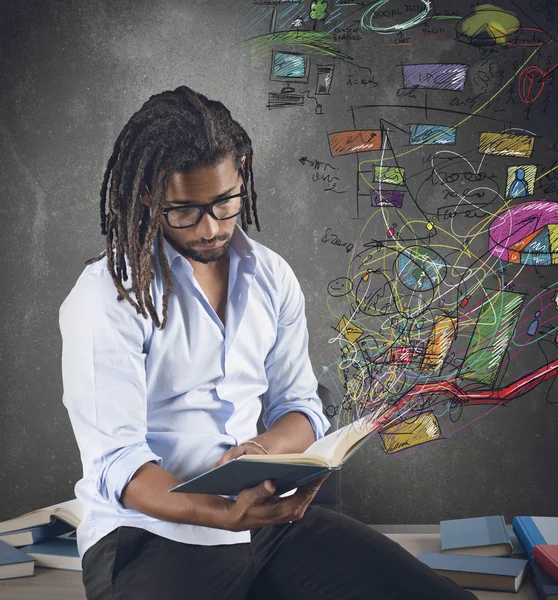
(323,556)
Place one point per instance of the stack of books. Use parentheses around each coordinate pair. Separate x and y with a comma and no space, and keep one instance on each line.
(539,538)
(45,537)
(484,553)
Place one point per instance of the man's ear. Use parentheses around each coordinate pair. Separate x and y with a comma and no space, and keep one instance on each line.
(145,197)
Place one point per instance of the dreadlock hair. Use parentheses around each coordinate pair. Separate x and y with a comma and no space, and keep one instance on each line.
(178,130)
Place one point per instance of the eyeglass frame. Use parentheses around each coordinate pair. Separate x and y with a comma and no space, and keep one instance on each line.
(206,208)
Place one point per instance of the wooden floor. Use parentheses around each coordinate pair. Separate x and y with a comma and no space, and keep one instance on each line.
(50,584)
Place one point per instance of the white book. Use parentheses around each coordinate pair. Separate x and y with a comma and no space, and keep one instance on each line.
(70,512)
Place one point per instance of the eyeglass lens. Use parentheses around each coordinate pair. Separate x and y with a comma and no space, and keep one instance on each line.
(189,215)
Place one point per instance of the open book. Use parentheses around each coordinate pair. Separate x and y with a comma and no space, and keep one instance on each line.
(288,471)
(70,512)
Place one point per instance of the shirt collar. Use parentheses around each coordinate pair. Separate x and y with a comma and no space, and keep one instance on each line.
(240,243)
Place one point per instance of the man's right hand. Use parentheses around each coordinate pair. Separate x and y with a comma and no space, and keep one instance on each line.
(258,507)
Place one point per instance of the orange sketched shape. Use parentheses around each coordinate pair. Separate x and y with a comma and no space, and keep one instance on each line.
(354,140)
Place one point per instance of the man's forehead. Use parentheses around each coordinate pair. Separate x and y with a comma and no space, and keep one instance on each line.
(203,184)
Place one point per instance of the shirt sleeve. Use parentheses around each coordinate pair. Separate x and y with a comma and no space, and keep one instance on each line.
(292,385)
(104,382)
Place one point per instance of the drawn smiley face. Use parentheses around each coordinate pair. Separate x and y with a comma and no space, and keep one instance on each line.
(340,287)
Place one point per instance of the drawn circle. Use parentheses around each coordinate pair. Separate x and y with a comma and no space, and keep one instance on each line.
(420,269)
(531,84)
(414,22)
(340,287)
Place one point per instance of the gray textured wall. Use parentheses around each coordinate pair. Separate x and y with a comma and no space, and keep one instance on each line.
(72,73)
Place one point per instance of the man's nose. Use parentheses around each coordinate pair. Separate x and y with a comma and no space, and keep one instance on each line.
(207,227)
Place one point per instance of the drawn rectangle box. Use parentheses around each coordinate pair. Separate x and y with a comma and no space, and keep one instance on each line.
(506,144)
(354,140)
(436,76)
(393,175)
(325,77)
(279,100)
(432,134)
(387,198)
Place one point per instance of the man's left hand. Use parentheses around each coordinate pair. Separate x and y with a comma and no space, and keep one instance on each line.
(237,451)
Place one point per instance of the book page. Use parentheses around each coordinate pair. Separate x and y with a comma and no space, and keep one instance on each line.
(335,445)
(329,451)
(70,511)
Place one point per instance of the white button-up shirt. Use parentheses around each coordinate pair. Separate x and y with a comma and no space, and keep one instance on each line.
(183,395)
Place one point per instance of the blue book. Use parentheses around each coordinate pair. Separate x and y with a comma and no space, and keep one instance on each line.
(288,471)
(478,536)
(547,588)
(36,535)
(532,531)
(478,572)
(60,553)
(15,563)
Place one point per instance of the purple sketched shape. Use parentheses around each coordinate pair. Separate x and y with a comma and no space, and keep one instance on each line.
(437,76)
(386,198)
(511,227)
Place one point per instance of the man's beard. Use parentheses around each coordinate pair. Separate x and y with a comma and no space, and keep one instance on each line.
(206,256)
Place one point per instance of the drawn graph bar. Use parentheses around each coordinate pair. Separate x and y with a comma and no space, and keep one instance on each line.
(439,344)
(491,337)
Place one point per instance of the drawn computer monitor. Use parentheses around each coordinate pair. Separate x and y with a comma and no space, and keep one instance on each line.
(289,67)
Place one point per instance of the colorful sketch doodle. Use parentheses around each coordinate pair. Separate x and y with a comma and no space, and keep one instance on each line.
(449,296)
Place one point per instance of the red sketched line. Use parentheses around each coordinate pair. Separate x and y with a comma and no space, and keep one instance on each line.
(452,389)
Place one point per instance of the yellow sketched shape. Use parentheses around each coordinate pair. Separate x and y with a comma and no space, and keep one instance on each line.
(506,144)
(404,435)
(350,331)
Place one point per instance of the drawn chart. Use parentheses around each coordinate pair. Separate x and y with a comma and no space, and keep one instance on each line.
(450,279)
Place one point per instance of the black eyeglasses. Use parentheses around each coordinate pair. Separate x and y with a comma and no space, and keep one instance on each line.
(181,217)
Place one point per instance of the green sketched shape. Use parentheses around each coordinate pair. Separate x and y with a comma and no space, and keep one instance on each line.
(318,10)
(393,175)
(316,43)
(491,337)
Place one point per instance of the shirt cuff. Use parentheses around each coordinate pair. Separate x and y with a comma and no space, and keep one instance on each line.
(318,420)
(118,473)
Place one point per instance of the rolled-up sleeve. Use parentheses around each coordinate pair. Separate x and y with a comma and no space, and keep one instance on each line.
(104,382)
(292,385)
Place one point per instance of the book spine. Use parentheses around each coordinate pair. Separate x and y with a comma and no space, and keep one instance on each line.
(537,583)
(505,535)
(526,533)
(544,561)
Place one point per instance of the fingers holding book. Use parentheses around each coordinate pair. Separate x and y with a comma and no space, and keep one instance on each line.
(259,506)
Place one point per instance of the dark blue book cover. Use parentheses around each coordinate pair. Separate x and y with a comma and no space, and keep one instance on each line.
(57,547)
(236,475)
(59,553)
(12,556)
(37,534)
(15,563)
(478,572)
(546,587)
(482,536)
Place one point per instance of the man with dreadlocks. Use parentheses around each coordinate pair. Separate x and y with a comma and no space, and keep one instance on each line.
(155,402)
